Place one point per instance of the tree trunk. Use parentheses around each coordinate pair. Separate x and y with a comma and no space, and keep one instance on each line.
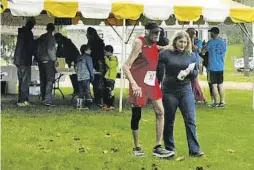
(247,53)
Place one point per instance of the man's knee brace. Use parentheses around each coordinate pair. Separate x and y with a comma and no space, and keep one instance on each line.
(135,118)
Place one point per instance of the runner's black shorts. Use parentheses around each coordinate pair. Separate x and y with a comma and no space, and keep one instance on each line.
(215,77)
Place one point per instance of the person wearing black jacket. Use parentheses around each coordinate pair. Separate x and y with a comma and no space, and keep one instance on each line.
(67,49)
(97,53)
(177,91)
(23,60)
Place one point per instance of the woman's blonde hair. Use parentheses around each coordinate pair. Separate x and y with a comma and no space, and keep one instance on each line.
(180,35)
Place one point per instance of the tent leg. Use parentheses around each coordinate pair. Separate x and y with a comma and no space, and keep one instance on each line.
(125,50)
(122,61)
(253,59)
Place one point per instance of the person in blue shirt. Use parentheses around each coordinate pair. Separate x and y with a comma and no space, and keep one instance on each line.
(216,49)
(85,74)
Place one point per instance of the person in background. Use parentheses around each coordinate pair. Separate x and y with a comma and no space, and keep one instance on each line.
(97,53)
(110,76)
(140,70)
(46,57)
(204,65)
(177,91)
(163,41)
(67,49)
(196,48)
(23,60)
(85,75)
(198,43)
(216,49)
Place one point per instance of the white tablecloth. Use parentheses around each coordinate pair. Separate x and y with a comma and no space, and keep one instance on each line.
(11,76)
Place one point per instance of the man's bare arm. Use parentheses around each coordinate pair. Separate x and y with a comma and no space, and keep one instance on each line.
(136,49)
(167,47)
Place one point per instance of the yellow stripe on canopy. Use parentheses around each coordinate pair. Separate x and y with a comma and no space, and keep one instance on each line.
(63,9)
(4,5)
(187,13)
(127,10)
(242,15)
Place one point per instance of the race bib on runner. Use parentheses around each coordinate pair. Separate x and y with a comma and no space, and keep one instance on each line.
(150,78)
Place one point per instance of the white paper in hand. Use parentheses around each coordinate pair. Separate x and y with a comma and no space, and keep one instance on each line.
(150,78)
(182,74)
(192,66)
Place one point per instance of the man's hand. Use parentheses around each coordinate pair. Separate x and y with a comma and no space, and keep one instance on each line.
(137,91)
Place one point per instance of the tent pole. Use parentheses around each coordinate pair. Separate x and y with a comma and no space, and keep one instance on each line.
(253,59)
(122,61)
(125,50)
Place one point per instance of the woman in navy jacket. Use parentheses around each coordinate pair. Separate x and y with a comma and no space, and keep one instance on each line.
(179,65)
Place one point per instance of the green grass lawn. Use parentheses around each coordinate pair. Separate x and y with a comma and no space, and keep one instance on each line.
(62,138)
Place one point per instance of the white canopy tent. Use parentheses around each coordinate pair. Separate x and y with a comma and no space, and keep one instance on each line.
(197,11)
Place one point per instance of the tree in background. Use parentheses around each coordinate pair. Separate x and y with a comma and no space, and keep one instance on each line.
(248,46)
(8,43)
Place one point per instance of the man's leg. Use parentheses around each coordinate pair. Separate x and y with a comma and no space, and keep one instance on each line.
(159,112)
(210,85)
(214,83)
(215,93)
(96,88)
(50,75)
(19,73)
(101,90)
(74,82)
(158,150)
(221,88)
(26,82)
(135,118)
(42,80)
(24,76)
(221,93)
(211,91)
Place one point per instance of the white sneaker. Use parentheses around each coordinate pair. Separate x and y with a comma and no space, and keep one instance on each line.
(138,152)
(160,152)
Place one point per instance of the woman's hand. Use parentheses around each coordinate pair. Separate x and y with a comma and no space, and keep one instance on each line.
(137,91)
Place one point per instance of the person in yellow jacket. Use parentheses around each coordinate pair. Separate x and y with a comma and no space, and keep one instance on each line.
(110,77)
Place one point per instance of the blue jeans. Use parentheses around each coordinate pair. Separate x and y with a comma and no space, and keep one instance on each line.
(183,98)
(24,77)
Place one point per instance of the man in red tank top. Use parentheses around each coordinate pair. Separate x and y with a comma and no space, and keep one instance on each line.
(140,69)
